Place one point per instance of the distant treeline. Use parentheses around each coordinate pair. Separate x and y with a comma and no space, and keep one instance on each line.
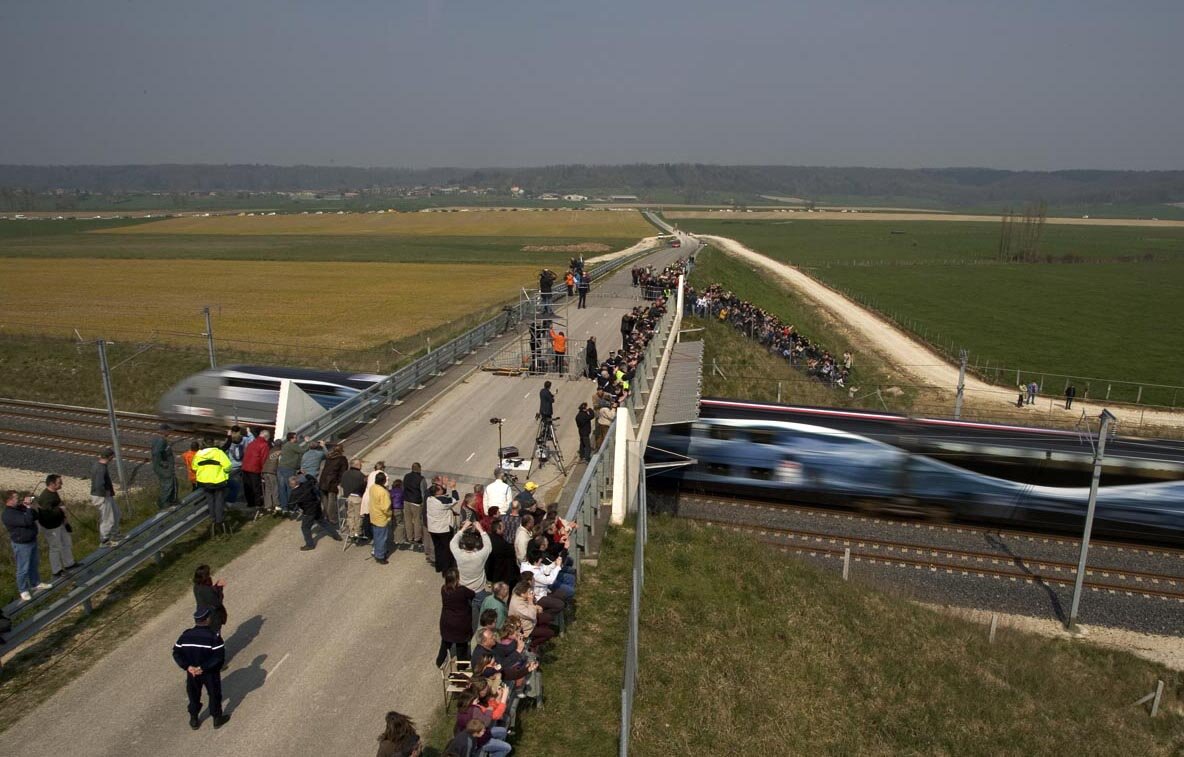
(945,187)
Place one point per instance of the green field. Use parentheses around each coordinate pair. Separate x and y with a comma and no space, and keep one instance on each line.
(1099,318)
(745,651)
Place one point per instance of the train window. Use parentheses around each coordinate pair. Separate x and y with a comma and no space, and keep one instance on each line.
(318,389)
(761,474)
(722,432)
(762,437)
(679,429)
(246,383)
(719,469)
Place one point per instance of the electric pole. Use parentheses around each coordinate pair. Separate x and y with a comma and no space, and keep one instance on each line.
(961,385)
(210,337)
(102,343)
(1089,516)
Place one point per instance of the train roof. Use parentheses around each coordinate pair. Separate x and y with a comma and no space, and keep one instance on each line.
(285,372)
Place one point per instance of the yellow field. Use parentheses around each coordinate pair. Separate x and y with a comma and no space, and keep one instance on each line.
(585,224)
(321,305)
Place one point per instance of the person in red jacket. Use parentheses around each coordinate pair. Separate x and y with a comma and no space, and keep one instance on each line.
(254,459)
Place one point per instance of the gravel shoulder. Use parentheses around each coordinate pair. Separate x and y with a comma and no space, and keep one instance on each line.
(921,364)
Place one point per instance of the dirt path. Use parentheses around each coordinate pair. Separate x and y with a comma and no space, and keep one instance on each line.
(924,366)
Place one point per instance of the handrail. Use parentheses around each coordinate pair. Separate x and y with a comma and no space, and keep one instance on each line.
(360,407)
(103,567)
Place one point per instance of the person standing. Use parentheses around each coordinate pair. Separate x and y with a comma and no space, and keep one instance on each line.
(270,479)
(559,347)
(498,493)
(626,329)
(380,516)
(583,286)
(54,523)
(235,447)
(356,488)
(456,618)
(470,548)
(546,401)
(1033,387)
(187,461)
(1070,395)
(591,359)
(212,467)
(164,465)
(305,497)
(442,506)
(414,494)
(336,464)
(398,524)
(102,496)
(210,593)
(604,419)
(254,458)
(584,419)
(21,523)
(201,653)
(312,457)
(290,452)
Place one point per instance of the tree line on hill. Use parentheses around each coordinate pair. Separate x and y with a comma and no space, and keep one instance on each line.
(939,187)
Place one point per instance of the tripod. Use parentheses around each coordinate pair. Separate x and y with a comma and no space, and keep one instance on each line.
(546,444)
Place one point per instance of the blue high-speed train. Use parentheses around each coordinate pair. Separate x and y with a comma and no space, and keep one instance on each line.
(810,463)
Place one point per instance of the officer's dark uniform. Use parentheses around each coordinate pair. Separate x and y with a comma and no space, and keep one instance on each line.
(200,647)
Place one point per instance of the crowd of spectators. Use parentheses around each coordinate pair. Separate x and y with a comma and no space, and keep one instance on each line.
(779,338)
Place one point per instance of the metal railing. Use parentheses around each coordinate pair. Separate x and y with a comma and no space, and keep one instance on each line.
(102,568)
(364,406)
(632,642)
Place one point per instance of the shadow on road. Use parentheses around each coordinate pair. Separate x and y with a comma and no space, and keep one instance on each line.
(240,683)
(243,635)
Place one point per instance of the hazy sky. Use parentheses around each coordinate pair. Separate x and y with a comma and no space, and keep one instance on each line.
(1035,84)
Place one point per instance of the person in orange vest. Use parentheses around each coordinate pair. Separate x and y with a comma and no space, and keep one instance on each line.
(559,347)
(188,458)
(570,281)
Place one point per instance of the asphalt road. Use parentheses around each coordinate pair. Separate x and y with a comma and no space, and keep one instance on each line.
(323,642)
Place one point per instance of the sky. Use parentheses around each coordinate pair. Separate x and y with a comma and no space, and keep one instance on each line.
(1037,85)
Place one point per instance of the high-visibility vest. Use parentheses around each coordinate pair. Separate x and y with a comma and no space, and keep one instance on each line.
(211,466)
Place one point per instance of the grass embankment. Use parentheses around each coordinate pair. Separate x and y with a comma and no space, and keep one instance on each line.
(751,372)
(76,644)
(744,651)
(1103,316)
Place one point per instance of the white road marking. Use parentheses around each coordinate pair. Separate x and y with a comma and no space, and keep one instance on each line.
(277,666)
(470,457)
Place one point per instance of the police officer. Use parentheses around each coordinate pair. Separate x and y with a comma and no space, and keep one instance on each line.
(211,466)
(201,653)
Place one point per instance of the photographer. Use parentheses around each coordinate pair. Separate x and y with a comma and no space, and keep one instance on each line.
(546,402)
(441,508)
(584,419)
(546,281)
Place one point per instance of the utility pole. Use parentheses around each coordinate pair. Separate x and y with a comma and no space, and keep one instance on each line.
(961,385)
(102,343)
(1089,516)
(210,337)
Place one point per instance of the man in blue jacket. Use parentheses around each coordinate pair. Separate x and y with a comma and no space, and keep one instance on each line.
(201,653)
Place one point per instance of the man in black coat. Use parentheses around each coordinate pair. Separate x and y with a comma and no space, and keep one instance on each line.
(546,401)
(502,565)
(591,358)
(584,419)
(201,653)
(306,497)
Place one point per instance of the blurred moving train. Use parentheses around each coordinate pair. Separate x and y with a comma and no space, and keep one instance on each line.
(808,463)
(251,393)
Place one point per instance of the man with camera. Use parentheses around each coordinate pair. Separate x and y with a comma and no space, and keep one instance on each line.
(546,281)
(546,402)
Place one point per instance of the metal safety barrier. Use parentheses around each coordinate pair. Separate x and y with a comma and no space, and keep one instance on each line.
(102,568)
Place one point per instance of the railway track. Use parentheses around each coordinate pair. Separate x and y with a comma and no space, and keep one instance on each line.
(1033,537)
(75,430)
(949,560)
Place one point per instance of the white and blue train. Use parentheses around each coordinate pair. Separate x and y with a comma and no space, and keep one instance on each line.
(810,463)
